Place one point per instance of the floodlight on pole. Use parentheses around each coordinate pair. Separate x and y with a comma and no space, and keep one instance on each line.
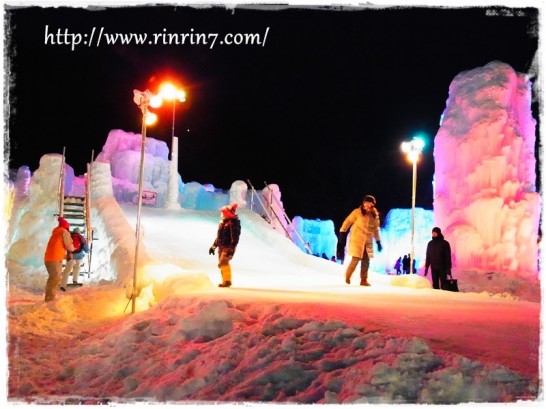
(144,100)
(150,118)
(413,150)
(169,92)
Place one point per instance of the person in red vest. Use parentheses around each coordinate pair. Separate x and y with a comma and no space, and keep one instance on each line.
(74,259)
(58,245)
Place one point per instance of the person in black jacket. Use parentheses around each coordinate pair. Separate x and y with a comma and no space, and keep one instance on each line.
(438,259)
(406,263)
(226,241)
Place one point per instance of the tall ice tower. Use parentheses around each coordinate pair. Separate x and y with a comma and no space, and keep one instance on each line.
(485,198)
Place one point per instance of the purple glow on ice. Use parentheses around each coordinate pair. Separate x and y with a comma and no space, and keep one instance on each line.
(485,198)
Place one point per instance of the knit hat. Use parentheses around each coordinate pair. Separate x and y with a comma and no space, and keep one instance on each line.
(63,223)
(229,210)
(369,198)
(437,230)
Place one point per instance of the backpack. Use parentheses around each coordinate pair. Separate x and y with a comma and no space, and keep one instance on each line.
(77,242)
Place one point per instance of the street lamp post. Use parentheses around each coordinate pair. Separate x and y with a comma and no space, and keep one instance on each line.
(169,92)
(144,100)
(413,150)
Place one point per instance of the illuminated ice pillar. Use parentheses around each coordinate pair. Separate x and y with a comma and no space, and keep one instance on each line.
(485,197)
(172,190)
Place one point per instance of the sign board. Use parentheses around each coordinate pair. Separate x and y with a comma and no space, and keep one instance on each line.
(149,197)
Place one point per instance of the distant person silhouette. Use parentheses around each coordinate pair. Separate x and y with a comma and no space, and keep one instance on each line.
(364,224)
(398,266)
(406,263)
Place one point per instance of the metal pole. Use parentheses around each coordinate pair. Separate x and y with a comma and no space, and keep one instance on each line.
(414,186)
(172,135)
(172,187)
(137,233)
(61,185)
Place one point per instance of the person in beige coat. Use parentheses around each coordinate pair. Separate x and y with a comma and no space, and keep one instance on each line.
(364,224)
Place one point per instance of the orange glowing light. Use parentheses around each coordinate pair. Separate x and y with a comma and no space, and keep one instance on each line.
(150,118)
(169,92)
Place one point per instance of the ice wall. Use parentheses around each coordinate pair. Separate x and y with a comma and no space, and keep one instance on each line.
(485,197)
(206,197)
(319,235)
(396,239)
(22,181)
(122,152)
(33,219)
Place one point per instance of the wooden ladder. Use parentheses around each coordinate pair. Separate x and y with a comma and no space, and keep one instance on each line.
(74,211)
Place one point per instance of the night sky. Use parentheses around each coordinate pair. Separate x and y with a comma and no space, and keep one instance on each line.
(320,109)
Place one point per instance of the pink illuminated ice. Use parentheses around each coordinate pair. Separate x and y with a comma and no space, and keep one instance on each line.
(485,197)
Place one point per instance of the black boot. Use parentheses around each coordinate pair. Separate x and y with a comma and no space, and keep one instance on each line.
(225,284)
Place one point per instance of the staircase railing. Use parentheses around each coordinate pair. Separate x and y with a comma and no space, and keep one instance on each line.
(272,209)
(271,214)
(287,220)
(77,209)
(264,207)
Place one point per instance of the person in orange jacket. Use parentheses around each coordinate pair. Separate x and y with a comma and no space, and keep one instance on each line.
(59,243)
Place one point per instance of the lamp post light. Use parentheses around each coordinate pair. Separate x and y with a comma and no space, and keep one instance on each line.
(169,92)
(413,150)
(144,100)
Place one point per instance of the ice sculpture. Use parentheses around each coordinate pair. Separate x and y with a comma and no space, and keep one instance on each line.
(396,239)
(485,198)
(122,151)
(318,234)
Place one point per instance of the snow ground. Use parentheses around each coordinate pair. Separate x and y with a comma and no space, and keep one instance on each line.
(289,330)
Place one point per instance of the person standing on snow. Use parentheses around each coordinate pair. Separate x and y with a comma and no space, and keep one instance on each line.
(406,263)
(398,266)
(438,259)
(74,259)
(59,243)
(226,241)
(364,224)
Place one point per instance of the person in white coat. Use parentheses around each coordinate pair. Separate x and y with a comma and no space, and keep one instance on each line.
(364,225)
